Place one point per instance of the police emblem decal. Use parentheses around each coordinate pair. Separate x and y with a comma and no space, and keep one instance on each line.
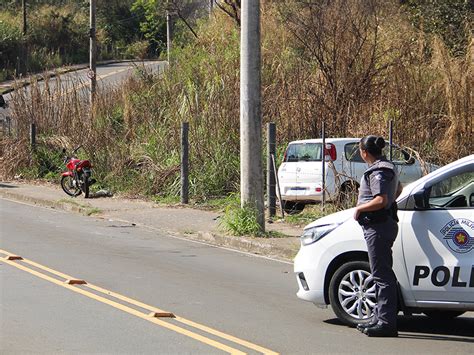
(459,235)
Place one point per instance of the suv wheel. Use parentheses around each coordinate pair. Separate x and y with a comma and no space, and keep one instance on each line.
(352,293)
(292,207)
(347,195)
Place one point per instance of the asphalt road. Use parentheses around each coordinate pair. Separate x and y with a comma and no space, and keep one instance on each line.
(224,301)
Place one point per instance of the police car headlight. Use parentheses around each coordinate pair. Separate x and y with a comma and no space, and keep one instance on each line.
(313,234)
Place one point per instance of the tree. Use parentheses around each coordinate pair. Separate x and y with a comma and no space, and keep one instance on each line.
(231,8)
(340,42)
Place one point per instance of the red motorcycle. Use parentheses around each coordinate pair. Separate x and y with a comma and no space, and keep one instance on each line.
(77,178)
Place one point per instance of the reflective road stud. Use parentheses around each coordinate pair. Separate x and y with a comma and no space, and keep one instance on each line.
(162,315)
(13,257)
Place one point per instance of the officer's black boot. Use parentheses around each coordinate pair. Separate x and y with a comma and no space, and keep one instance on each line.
(381,330)
(362,326)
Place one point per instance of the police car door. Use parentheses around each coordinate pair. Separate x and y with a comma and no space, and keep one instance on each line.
(438,238)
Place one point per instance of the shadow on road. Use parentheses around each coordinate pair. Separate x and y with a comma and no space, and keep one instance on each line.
(8,186)
(459,329)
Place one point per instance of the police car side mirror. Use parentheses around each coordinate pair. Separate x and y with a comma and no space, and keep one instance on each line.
(421,199)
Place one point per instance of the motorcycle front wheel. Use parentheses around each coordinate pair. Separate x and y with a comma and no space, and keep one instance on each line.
(69,187)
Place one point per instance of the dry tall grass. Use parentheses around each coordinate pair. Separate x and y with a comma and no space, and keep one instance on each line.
(380,70)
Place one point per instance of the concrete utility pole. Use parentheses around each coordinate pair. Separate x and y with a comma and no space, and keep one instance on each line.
(24,67)
(93,51)
(251,177)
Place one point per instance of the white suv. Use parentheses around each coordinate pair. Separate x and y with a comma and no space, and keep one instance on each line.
(433,254)
(300,174)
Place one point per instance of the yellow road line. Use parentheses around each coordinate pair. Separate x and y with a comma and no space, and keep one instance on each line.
(129,310)
(150,308)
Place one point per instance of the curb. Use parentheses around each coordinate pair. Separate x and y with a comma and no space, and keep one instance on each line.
(245,244)
(44,203)
(248,244)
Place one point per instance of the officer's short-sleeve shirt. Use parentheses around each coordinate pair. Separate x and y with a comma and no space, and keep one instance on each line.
(381,182)
(378,182)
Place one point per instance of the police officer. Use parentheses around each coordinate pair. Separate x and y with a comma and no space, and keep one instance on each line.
(376,213)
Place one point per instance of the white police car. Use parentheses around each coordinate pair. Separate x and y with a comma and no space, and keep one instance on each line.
(433,254)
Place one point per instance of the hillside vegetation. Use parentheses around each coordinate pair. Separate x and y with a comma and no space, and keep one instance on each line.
(58,33)
(353,64)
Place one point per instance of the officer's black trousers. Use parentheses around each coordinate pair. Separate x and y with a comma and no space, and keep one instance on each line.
(380,238)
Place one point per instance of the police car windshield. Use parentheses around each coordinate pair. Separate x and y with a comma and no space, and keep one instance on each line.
(304,152)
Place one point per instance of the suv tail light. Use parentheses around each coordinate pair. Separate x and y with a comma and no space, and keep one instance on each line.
(330,150)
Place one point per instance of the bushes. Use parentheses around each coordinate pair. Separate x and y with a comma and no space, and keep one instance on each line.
(137,50)
(62,30)
(10,45)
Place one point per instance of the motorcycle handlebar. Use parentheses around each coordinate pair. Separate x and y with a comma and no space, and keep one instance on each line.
(67,157)
(76,149)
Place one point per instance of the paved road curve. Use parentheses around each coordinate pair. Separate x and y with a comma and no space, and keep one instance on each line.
(108,77)
(223,301)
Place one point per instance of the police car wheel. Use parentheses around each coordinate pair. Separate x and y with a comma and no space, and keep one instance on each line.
(352,293)
(442,314)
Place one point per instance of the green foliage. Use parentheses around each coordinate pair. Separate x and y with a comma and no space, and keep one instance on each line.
(450,19)
(10,43)
(153,23)
(240,221)
(137,50)
(62,30)
(119,22)
(47,164)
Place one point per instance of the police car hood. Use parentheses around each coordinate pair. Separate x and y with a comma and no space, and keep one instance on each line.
(338,217)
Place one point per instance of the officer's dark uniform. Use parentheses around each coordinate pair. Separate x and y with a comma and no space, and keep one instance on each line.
(380,230)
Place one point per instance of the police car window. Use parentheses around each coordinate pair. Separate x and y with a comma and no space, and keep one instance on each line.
(454,192)
(351,150)
(304,152)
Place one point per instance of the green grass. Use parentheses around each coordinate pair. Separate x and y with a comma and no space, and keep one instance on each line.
(309,214)
(167,200)
(241,221)
(219,203)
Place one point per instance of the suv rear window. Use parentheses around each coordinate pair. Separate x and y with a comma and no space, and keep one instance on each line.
(303,152)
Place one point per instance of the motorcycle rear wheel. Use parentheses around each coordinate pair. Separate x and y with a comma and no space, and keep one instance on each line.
(67,183)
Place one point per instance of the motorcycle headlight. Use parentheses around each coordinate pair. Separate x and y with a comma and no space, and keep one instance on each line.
(313,234)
